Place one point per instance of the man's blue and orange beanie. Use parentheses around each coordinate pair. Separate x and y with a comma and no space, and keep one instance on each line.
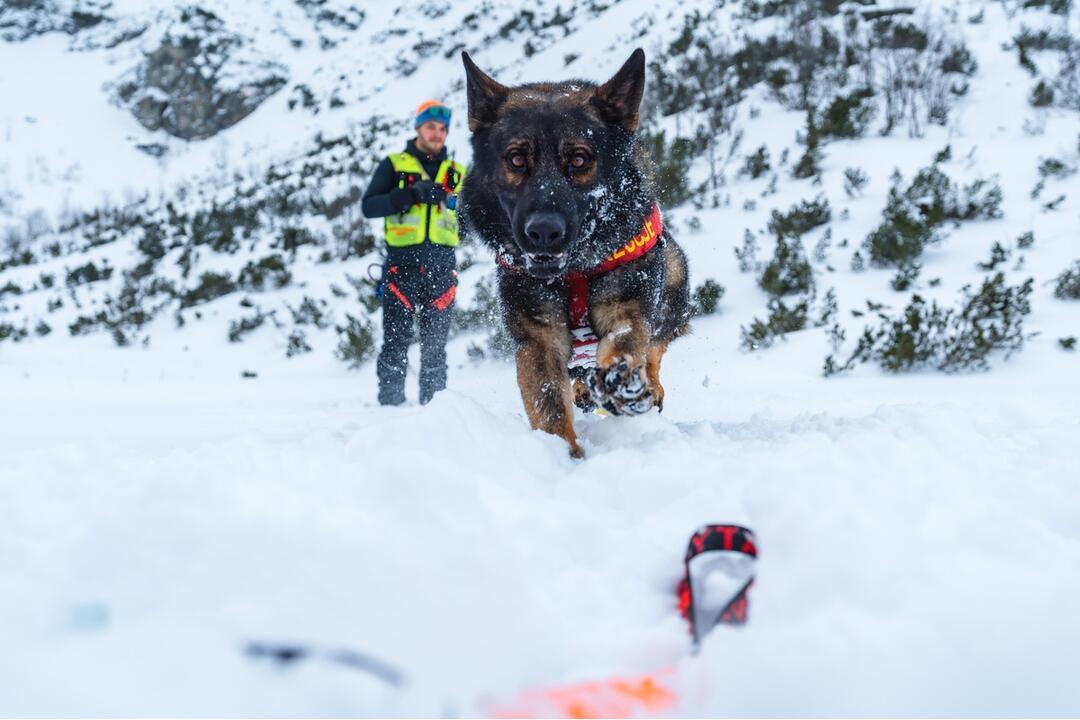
(432,110)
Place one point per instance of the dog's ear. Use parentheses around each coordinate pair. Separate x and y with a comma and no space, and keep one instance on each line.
(484,94)
(619,99)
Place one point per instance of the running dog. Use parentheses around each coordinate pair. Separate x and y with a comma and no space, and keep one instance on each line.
(593,287)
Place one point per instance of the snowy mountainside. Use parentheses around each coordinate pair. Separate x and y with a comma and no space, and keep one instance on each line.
(113,228)
(193,455)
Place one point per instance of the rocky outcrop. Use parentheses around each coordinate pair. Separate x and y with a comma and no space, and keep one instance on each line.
(22,19)
(201,80)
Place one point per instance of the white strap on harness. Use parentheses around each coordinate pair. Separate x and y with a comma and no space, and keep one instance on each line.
(583,349)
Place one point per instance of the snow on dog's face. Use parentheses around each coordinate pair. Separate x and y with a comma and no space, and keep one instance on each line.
(556,166)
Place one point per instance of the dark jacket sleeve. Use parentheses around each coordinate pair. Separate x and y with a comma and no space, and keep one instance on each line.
(383,197)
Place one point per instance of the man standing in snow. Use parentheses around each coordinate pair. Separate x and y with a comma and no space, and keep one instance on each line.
(410,191)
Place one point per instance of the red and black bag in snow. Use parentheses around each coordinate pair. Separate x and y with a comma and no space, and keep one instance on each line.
(720,564)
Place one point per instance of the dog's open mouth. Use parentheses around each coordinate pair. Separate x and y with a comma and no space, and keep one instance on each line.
(545,265)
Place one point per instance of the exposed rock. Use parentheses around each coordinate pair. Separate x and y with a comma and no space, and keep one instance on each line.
(22,19)
(200,81)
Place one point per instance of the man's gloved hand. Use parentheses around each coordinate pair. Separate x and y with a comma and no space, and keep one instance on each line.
(428,192)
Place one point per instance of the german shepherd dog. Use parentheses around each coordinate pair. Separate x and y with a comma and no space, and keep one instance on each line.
(562,190)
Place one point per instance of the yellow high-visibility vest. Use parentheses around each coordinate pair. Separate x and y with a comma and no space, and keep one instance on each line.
(421,221)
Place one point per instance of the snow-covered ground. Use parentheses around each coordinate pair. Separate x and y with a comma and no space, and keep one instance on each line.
(920,537)
(919,534)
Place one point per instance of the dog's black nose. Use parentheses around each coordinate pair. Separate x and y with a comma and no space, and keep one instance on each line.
(545,229)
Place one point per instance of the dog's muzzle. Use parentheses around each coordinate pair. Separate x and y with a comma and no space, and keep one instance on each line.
(544,244)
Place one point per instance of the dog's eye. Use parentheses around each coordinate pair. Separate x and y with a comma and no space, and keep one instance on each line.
(580,160)
(516,159)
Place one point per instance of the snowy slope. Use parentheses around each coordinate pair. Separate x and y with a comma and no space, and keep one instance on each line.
(919,539)
(919,533)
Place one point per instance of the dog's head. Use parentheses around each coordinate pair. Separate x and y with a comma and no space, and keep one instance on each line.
(548,155)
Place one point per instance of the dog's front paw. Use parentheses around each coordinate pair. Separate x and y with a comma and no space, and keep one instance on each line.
(621,388)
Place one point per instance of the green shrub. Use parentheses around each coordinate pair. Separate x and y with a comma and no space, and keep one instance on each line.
(1054,168)
(152,242)
(808,165)
(747,255)
(855,180)
(898,34)
(998,255)
(293,238)
(801,219)
(85,324)
(781,320)
(297,344)
(905,276)
(1068,283)
(946,339)
(757,164)
(981,200)
(1042,95)
(356,341)
(789,272)
(211,286)
(88,273)
(310,312)
(10,332)
(847,116)
(913,217)
(1058,7)
(242,326)
(269,272)
(706,297)
(217,225)
(670,161)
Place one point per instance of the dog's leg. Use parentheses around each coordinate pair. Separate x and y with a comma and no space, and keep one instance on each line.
(621,383)
(545,385)
(652,372)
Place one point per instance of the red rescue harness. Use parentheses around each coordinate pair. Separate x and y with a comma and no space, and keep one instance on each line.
(583,352)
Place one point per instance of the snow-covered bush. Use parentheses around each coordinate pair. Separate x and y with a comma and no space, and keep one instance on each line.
(848,115)
(757,163)
(781,320)
(920,70)
(1067,284)
(670,160)
(947,339)
(801,219)
(10,289)
(9,331)
(855,181)
(747,254)
(998,255)
(88,273)
(706,297)
(270,272)
(211,286)
(356,341)
(905,276)
(913,216)
(789,272)
(297,343)
(807,166)
(243,325)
